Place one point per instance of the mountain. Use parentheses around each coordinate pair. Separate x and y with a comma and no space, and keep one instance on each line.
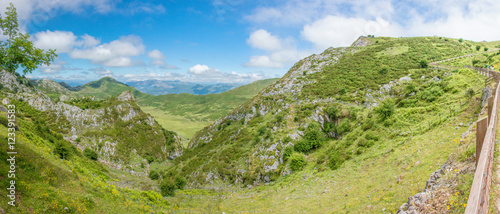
(365,125)
(159,87)
(183,113)
(95,154)
(187,113)
(379,126)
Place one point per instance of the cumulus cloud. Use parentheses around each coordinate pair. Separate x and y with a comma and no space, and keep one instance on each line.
(39,11)
(116,53)
(279,50)
(262,61)
(103,72)
(62,41)
(341,31)
(338,23)
(262,39)
(158,59)
(57,67)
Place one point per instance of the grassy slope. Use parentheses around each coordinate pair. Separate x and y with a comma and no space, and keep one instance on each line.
(47,184)
(183,113)
(187,113)
(413,142)
(381,178)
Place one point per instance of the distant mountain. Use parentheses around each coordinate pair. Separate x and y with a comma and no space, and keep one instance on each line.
(160,87)
(184,113)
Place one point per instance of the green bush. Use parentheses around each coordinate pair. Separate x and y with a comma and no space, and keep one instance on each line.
(432,93)
(262,130)
(91,154)
(478,48)
(336,158)
(167,188)
(370,136)
(334,111)
(180,182)
(365,143)
(297,161)
(287,152)
(150,159)
(344,127)
(485,49)
(312,139)
(154,175)
(62,150)
(279,118)
(386,109)
(423,64)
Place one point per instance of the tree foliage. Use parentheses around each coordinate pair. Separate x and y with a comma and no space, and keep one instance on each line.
(18,51)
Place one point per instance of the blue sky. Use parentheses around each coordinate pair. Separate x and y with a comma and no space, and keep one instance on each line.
(227,40)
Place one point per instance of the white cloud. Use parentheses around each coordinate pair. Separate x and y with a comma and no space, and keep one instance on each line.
(89,41)
(262,39)
(103,72)
(263,61)
(341,31)
(57,67)
(327,23)
(200,69)
(158,60)
(117,53)
(279,51)
(62,41)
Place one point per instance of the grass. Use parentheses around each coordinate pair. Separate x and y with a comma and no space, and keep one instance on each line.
(187,113)
(185,127)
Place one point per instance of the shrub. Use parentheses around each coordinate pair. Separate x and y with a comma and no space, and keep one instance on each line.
(287,152)
(383,70)
(370,136)
(423,64)
(478,48)
(432,93)
(335,159)
(334,111)
(279,118)
(150,159)
(344,127)
(154,175)
(365,143)
(386,109)
(312,139)
(485,49)
(62,150)
(460,40)
(180,182)
(167,188)
(297,161)
(262,130)
(89,153)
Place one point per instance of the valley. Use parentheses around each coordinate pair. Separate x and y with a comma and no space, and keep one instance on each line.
(351,130)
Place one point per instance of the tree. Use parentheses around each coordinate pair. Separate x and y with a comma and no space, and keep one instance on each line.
(18,51)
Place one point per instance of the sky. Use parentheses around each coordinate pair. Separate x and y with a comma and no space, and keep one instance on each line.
(227,41)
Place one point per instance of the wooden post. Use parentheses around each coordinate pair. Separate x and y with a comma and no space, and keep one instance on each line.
(490,107)
(482,126)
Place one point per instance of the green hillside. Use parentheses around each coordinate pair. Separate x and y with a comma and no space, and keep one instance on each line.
(182,113)
(342,125)
(187,113)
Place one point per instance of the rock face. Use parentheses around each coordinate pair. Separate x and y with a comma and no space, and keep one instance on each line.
(93,126)
(126,96)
